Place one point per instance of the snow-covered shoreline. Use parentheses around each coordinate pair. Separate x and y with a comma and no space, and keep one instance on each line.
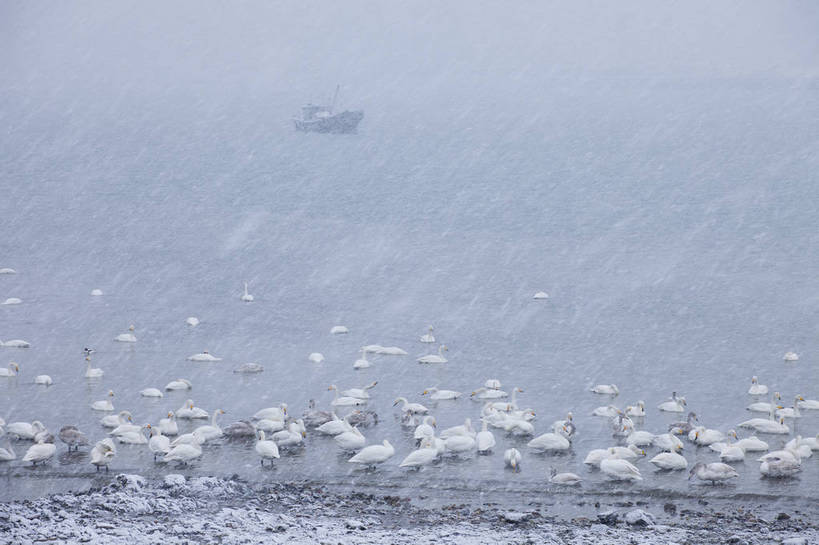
(175,510)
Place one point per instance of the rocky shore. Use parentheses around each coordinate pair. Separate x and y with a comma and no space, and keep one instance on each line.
(175,510)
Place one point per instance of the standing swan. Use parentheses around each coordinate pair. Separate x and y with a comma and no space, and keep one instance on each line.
(266,449)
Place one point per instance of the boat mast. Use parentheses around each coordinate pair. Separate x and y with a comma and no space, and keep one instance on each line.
(335,96)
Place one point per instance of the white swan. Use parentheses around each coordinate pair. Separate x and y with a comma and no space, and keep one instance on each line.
(791,356)
(605,389)
(16,343)
(674,405)
(12,301)
(670,461)
(246,297)
(350,440)
(512,458)
(272,413)
(713,472)
(428,337)
(421,457)
(387,350)
(316,357)
(25,430)
(791,412)
(184,453)
(811,442)
(638,410)
(809,404)
(772,426)
(39,452)
(188,439)
(158,443)
(756,388)
(703,436)
(96,292)
(179,384)
(488,393)
(125,428)
(435,358)
(293,435)
(459,443)
(189,410)
(425,428)
(105,404)
(565,479)
(91,372)
(511,405)
(266,449)
(492,384)
(7,270)
(781,463)
(249,368)
(621,470)
(168,426)
(413,408)
(374,454)
(640,438)
(134,437)
(43,380)
(102,454)
(464,429)
(344,401)
(11,371)
(203,356)
(7,453)
(752,444)
(555,440)
(151,392)
(334,426)
(339,330)
(439,395)
(270,426)
(192,321)
(360,393)
(127,337)
(114,420)
(212,430)
(668,442)
(609,411)
(485,439)
(765,406)
(540,295)
(362,362)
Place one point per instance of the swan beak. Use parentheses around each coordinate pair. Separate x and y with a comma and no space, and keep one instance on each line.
(472,394)
(521,390)
(284,410)
(780,407)
(129,419)
(394,404)
(303,435)
(169,415)
(424,393)
(800,398)
(148,426)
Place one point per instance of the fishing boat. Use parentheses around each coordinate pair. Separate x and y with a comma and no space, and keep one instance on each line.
(316,118)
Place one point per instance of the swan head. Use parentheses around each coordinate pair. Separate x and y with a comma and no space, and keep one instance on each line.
(15,366)
(569,416)
(800,398)
(110,393)
(519,390)
(260,434)
(332,387)
(431,329)
(641,404)
(754,380)
(131,328)
(697,467)
(399,400)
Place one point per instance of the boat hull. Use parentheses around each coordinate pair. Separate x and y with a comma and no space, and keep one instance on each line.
(344,122)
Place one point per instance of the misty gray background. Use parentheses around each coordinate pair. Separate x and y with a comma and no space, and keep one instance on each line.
(651,165)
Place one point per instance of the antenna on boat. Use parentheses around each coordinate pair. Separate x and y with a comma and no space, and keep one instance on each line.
(335,96)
